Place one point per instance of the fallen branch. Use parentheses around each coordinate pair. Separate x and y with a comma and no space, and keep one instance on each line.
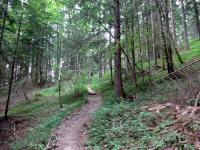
(190,64)
(48,144)
(197,99)
(195,106)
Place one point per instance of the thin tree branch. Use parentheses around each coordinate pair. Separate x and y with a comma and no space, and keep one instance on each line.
(99,20)
(190,64)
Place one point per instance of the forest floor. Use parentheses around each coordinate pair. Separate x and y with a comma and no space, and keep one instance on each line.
(71,134)
(31,122)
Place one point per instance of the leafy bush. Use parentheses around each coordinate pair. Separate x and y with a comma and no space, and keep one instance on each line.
(103,84)
(79,87)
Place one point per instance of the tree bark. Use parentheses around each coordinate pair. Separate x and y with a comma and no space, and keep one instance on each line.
(185,26)
(133,72)
(58,52)
(173,35)
(100,67)
(118,70)
(13,69)
(133,69)
(140,46)
(166,42)
(170,65)
(5,2)
(59,87)
(173,18)
(196,10)
(148,40)
(111,60)
(153,27)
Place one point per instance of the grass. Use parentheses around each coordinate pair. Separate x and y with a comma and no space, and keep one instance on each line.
(52,91)
(194,51)
(126,126)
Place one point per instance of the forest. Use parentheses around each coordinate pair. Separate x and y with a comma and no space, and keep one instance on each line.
(99,74)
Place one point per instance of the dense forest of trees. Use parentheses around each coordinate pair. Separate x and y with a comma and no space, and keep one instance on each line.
(39,38)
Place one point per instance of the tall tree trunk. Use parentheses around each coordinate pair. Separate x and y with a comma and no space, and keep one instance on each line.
(100,67)
(5,3)
(170,65)
(133,72)
(58,52)
(196,10)
(118,70)
(140,47)
(185,26)
(153,27)
(166,42)
(133,69)
(173,19)
(59,87)
(127,68)
(172,34)
(13,69)
(148,39)
(111,59)
(38,68)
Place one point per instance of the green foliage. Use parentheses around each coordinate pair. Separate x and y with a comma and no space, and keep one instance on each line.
(125,126)
(80,85)
(103,84)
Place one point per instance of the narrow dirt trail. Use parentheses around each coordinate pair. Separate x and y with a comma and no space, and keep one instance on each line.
(71,134)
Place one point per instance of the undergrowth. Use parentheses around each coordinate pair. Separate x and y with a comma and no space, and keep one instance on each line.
(45,113)
(126,126)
